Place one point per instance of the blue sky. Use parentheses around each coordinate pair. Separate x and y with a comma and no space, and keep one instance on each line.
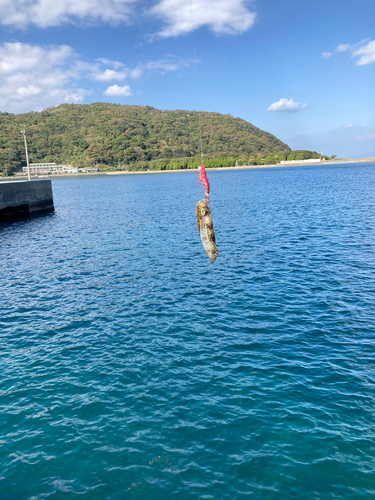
(302,70)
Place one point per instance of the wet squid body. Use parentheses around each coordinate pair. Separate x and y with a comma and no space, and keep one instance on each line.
(206,229)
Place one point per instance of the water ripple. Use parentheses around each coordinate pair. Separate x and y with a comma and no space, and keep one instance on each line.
(132,368)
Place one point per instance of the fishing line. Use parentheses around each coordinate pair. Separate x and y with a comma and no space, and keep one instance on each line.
(196,78)
(205,225)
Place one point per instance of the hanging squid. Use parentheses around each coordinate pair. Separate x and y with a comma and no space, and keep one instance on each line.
(205,225)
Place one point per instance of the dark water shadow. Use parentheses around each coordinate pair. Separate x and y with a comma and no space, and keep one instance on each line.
(23,218)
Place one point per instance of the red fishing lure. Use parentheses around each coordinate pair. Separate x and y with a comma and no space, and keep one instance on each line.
(202,178)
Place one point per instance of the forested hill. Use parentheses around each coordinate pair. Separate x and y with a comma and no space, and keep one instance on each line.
(134,137)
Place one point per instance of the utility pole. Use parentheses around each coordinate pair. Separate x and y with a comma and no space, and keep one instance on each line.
(27,155)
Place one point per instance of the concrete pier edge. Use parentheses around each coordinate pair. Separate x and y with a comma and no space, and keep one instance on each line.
(25,198)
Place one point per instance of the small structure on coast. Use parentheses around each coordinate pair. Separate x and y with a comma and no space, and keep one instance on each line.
(24,198)
(46,168)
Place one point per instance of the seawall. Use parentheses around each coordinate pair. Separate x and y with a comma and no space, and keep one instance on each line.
(24,198)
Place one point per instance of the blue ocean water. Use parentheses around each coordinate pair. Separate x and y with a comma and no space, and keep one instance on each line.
(132,368)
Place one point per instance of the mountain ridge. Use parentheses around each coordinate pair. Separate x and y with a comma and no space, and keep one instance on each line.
(130,136)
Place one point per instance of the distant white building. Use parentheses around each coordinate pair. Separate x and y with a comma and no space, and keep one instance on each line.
(45,168)
(312,160)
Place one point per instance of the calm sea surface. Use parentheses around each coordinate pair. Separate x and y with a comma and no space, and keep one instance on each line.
(132,368)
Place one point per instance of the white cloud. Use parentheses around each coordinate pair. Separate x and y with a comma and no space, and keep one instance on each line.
(44,13)
(355,127)
(343,47)
(289,106)
(364,49)
(163,66)
(52,71)
(20,57)
(109,75)
(109,62)
(136,73)
(115,90)
(178,16)
(29,90)
(75,97)
(367,53)
(221,16)
(36,77)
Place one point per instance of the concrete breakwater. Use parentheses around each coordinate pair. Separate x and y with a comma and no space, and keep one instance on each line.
(24,198)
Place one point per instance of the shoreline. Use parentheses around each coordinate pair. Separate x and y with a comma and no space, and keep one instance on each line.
(342,161)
